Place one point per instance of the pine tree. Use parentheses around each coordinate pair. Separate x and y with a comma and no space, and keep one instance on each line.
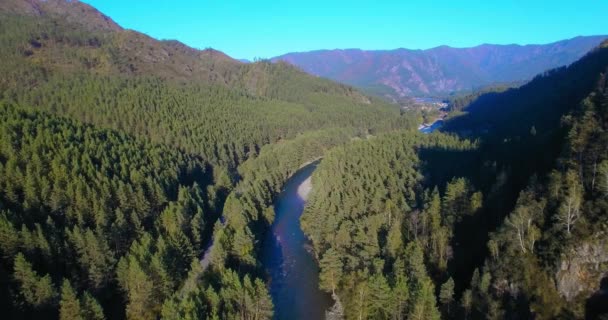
(395,239)
(570,210)
(37,291)
(379,298)
(331,270)
(92,310)
(400,296)
(69,306)
(446,294)
(263,302)
(422,301)
(138,287)
(467,302)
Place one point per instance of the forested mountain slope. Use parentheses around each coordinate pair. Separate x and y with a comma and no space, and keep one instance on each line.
(75,199)
(59,35)
(63,64)
(118,151)
(374,221)
(555,238)
(510,226)
(123,158)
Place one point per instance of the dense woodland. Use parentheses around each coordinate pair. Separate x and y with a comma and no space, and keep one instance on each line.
(372,221)
(224,124)
(93,212)
(555,238)
(514,229)
(124,162)
(124,159)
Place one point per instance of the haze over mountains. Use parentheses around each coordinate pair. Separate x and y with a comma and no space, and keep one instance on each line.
(441,70)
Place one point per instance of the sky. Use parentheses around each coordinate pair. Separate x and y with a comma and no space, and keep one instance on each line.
(264,29)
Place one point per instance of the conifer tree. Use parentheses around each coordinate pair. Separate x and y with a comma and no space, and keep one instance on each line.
(69,306)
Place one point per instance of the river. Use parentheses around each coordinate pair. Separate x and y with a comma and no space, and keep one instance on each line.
(430,128)
(293,271)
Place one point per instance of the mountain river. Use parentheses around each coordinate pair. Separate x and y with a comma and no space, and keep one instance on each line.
(293,271)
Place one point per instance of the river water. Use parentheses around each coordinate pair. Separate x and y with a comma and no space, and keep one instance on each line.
(434,126)
(294,274)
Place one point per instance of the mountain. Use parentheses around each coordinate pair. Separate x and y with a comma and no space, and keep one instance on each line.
(68,46)
(138,180)
(543,149)
(119,152)
(102,45)
(541,102)
(509,224)
(441,70)
(71,36)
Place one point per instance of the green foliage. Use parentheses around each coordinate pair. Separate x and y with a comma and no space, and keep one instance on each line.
(131,183)
(446,294)
(36,290)
(69,306)
(122,158)
(92,309)
(139,289)
(363,214)
(331,267)
(225,112)
(554,219)
(78,196)
(467,301)
(248,209)
(422,295)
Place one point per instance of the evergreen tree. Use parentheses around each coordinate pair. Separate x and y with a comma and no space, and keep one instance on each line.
(331,270)
(446,294)
(69,306)
(466,302)
(36,290)
(91,308)
(422,301)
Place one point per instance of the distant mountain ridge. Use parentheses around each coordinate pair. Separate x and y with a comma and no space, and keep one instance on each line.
(441,70)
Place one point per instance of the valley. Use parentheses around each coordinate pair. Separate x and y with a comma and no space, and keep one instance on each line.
(147,179)
(287,255)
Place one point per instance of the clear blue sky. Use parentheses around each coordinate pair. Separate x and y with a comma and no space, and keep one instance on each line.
(248,29)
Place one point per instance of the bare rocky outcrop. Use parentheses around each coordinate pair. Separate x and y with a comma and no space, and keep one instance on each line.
(336,312)
(583,268)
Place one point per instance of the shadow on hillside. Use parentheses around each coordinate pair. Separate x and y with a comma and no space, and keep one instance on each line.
(440,166)
(521,135)
(596,307)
